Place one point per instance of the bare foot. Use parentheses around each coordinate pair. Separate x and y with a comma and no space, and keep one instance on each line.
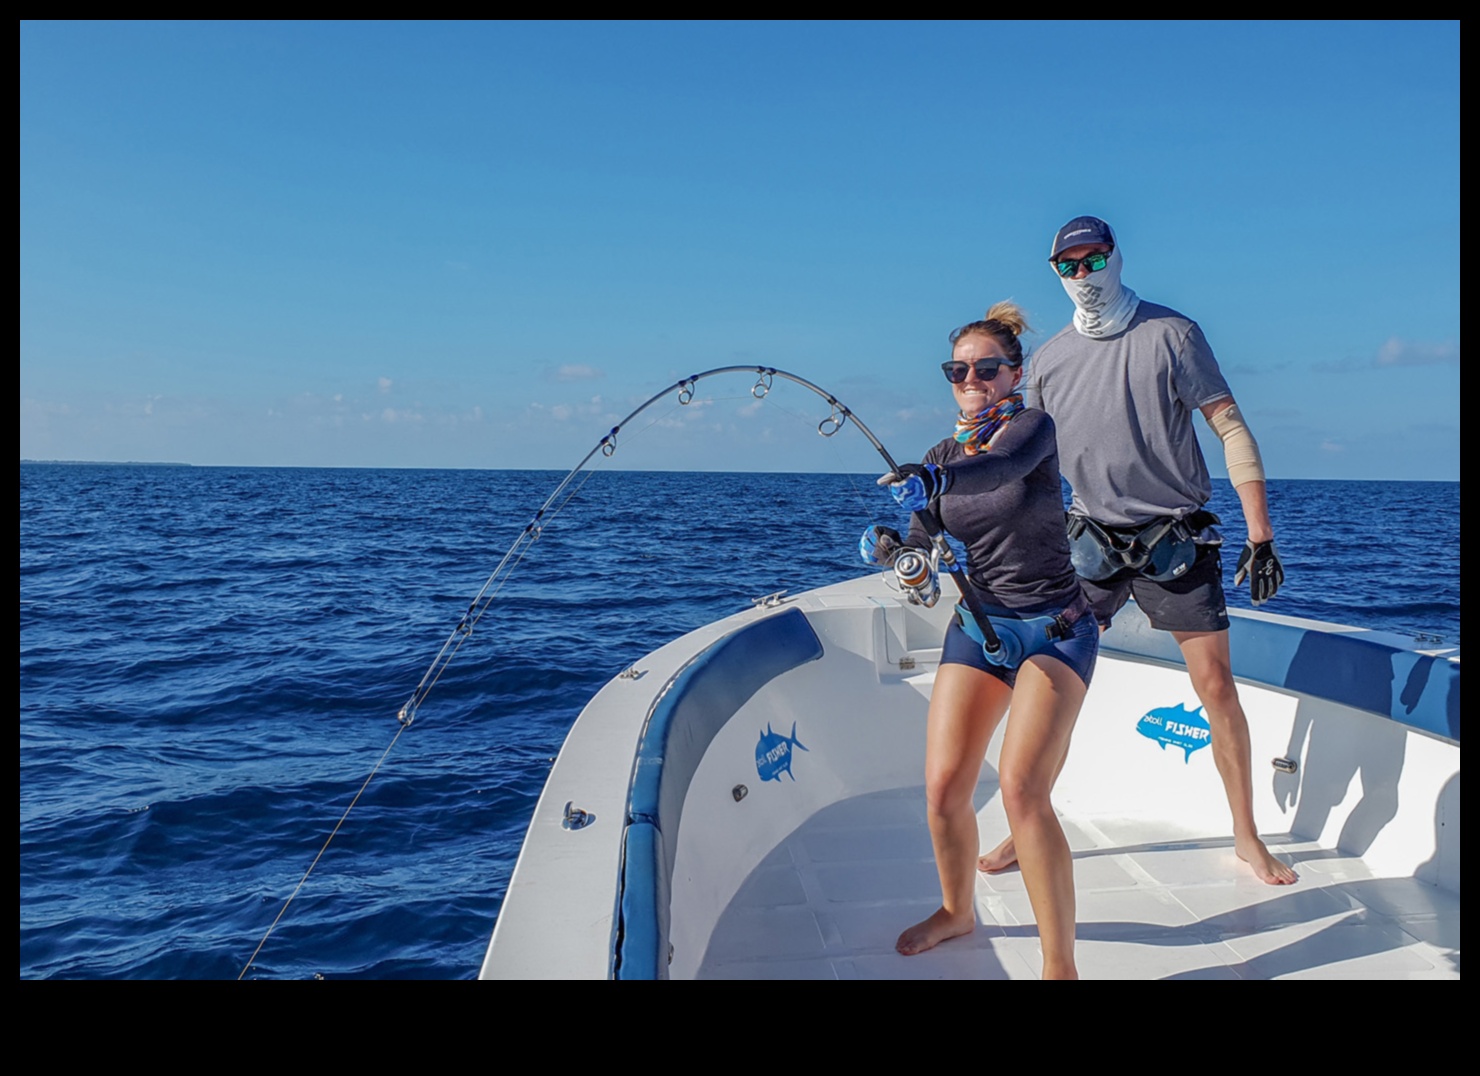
(1266,867)
(938,928)
(999,858)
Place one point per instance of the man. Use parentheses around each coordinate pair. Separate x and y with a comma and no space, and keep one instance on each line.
(1122,383)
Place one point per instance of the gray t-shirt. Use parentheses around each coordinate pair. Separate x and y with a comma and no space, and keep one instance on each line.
(1123,408)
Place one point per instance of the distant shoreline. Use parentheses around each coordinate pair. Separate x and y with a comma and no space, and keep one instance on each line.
(99,463)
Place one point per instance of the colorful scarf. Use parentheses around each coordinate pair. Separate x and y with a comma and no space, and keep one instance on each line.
(975,434)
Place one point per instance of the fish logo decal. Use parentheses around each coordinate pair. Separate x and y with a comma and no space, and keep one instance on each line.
(1177,726)
(773,754)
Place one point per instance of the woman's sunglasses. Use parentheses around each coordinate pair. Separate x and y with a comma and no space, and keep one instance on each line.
(1067,267)
(986,369)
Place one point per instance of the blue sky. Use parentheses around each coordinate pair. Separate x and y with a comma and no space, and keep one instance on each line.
(481,244)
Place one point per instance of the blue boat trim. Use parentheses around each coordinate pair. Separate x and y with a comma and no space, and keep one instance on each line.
(686,716)
(1374,671)
(641,948)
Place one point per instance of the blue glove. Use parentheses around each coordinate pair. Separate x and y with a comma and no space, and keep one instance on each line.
(1260,561)
(920,485)
(879,545)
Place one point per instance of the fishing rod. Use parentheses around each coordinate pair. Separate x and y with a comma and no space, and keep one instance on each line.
(561,496)
(607,446)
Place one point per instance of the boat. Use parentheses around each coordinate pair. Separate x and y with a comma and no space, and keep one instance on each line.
(747,801)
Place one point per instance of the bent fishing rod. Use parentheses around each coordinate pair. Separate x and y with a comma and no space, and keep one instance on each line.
(567,489)
(607,446)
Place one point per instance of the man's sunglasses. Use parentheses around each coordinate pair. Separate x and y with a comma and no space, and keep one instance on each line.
(1067,267)
(986,369)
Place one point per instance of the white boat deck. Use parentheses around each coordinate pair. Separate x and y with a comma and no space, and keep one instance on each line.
(701,849)
(1153,903)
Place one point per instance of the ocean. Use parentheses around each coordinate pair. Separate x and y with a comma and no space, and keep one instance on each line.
(212,660)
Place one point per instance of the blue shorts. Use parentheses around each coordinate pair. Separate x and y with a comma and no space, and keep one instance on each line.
(1077,650)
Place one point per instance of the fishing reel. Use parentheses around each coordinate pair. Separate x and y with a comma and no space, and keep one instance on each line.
(918,577)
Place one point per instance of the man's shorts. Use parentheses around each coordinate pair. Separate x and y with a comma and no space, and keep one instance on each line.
(1192,603)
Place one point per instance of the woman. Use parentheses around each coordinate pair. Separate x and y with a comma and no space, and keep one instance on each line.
(995,487)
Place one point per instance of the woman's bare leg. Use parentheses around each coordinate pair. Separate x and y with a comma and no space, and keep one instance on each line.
(1004,855)
(1045,706)
(965,706)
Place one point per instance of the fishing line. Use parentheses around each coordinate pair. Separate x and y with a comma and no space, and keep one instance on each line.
(864,502)
(838,416)
(324,848)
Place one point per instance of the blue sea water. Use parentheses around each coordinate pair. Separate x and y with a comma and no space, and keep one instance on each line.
(212,660)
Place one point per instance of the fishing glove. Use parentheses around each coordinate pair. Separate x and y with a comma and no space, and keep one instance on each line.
(1260,561)
(879,545)
(919,485)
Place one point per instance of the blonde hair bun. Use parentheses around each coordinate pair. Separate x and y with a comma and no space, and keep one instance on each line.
(1010,316)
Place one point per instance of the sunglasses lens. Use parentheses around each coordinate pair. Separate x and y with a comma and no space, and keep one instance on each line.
(1094,263)
(957,372)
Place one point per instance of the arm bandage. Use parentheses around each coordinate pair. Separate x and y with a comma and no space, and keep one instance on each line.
(1239,450)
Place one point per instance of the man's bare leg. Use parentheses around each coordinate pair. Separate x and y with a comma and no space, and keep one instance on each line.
(998,859)
(1211,669)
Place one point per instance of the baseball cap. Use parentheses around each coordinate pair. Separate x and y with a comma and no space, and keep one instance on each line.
(1078,232)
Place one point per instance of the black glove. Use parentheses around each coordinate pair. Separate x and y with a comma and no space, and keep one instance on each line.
(1260,561)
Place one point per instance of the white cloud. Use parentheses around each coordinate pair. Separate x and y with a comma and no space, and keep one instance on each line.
(1399,352)
(575,371)
(595,407)
(385,384)
(1395,353)
(47,407)
(391,415)
(685,415)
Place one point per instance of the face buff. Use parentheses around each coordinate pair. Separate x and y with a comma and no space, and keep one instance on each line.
(1103,306)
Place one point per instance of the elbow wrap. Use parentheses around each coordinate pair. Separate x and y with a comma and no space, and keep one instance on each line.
(1239,450)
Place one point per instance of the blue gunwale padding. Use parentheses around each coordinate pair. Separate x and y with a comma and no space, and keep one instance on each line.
(1367,670)
(684,720)
(637,951)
